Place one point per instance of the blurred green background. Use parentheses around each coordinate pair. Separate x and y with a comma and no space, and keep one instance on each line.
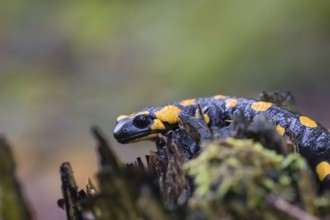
(66,66)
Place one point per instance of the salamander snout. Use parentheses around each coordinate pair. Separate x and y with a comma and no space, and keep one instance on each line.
(131,129)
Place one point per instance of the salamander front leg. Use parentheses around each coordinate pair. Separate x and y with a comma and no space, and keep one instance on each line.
(215,115)
(196,124)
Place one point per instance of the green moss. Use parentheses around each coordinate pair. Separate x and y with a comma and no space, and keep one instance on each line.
(236,178)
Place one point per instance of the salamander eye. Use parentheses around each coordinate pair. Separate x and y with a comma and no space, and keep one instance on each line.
(141,121)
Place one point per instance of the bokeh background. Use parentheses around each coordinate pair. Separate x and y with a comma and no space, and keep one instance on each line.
(68,65)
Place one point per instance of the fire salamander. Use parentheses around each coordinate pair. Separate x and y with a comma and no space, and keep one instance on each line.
(311,137)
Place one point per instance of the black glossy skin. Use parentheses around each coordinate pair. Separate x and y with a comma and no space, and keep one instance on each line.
(313,143)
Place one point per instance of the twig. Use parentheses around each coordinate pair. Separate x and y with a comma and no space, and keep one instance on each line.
(290,209)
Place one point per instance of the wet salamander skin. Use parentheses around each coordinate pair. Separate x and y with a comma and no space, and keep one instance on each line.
(312,138)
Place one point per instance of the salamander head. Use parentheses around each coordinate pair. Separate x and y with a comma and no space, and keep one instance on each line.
(145,125)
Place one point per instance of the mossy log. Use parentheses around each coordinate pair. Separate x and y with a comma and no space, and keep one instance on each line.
(227,178)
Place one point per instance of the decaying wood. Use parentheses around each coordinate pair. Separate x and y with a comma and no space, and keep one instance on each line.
(70,193)
(125,192)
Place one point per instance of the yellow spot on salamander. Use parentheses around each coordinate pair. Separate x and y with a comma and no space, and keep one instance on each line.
(307,122)
(207,118)
(140,113)
(120,117)
(169,114)
(322,170)
(188,102)
(219,96)
(147,137)
(229,121)
(261,106)
(329,130)
(231,102)
(157,125)
(280,130)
